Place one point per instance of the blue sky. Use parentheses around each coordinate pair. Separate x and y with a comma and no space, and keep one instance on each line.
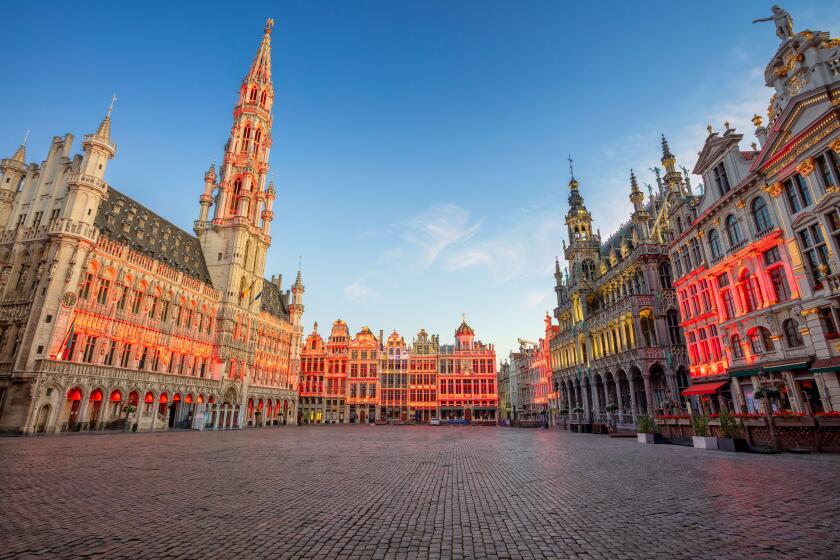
(419,147)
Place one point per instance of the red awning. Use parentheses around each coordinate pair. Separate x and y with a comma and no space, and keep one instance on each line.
(704,388)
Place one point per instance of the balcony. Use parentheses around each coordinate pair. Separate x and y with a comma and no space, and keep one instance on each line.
(65,226)
(88,181)
(132,376)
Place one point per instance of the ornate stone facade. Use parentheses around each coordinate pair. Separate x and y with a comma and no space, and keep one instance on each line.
(617,347)
(111,316)
(756,255)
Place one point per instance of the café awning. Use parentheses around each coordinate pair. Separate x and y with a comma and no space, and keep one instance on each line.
(704,388)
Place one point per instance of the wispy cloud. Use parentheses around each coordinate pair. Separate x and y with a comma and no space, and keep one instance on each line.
(359,292)
(436,229)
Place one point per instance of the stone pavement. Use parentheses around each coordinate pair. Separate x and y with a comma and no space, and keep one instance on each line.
(408,492)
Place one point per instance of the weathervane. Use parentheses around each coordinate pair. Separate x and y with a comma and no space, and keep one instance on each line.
(111,106)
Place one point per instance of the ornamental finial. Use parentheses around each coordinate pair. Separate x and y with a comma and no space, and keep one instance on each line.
(269,23)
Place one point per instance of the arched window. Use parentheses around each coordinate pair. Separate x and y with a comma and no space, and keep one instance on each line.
(263,99)
(679,224)
(733,230)
(735,345)
(714,244)
(665,275)
(760,341)
(761,216)
(237,189)
(246,139)
(254,95)
(792,336)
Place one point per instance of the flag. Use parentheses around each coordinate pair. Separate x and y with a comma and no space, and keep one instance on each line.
(258,296)
(246,291)
(67,344)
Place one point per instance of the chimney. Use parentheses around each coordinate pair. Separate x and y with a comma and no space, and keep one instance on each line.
(381,341)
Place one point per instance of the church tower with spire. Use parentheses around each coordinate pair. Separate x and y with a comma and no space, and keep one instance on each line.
(236,237)
(583,250)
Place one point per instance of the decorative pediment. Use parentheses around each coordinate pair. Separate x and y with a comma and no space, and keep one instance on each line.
(714,148)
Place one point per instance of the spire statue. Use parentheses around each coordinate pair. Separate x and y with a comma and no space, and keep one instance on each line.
(783,21)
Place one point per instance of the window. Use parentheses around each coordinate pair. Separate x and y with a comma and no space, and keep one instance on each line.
(588,270)
(704,345)
(833,220)
(813,247)
(90,347)
(112,352)
(733,230)
(760,341)
(721,179)
(826,164)
(750,292)
(126,356)
(21,220)
(792,336)
(695,300)
(735,346)
(665,275)
(696,255)
(36,219)
(123,291)
(829,323)
(717,352)
(102,294)
(648,331)
(778,280)
(707,298)
(714,244)
(728,304)
(761,216)
(137,301)
(798,195)
(84,293)
(674,331)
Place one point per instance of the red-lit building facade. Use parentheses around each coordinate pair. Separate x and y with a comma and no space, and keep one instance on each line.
(113,317)
(393,381)
(530,390)
(756,255)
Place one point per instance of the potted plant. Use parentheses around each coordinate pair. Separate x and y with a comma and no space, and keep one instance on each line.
(646,429)
(563,411)
(730,428)
(701,438)
(611,407)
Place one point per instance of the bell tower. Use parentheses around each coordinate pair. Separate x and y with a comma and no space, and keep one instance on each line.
(235,237)
(584,247)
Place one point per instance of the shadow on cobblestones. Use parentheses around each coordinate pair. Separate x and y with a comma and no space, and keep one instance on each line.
(408,492)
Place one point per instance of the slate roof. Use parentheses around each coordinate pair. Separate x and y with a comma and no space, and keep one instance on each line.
(124,220)
(274,301)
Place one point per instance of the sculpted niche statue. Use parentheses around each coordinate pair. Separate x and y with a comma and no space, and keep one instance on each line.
(783,21)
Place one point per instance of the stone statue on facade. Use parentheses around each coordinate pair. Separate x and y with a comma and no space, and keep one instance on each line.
(783,21)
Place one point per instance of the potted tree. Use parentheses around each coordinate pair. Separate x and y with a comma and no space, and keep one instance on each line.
(701,438)
(730,429)
(646,429)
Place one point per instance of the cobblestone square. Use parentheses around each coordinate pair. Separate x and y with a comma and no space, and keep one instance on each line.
(408,492)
